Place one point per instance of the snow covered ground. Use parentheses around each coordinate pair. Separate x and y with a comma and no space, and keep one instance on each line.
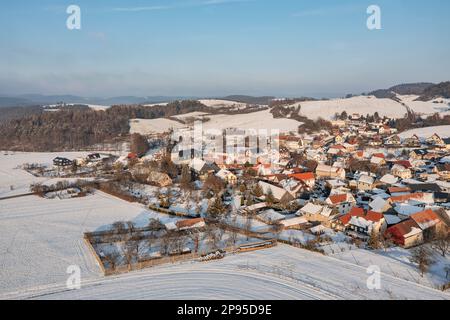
(255,120)
(370,104)
(98,107)
(148,126)
(426,107)
(215,103)
(40,238)
(14,180)
(360,104)
(423,133)
(281,272)
(396,262)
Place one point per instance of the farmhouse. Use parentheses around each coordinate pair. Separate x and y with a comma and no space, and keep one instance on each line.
(62,162)
(324,171)
(406,234)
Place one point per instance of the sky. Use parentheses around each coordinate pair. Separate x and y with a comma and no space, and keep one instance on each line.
(220,47)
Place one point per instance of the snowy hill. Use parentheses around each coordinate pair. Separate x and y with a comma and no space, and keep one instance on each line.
(370,104)
(423,133)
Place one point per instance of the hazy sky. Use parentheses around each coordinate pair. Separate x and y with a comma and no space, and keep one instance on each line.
(219,47)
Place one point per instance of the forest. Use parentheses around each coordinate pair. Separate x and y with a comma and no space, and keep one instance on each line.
(71,129)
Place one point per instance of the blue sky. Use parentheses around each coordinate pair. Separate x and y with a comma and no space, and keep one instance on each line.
(219,47)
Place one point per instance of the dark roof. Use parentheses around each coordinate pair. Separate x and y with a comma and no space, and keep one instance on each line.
(442,196)
(421,151)
(446,140)
(425,187)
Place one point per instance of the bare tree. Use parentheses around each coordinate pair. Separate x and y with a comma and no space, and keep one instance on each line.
(374,240)
(130,227)
(112,258)
(178,243)
(119,227)
(232,239)
(129,249)
(441,242)
(248,226)
(165,244)
(422,257)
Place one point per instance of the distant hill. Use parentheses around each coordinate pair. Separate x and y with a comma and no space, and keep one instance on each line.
(14,102)
(249,99)
(441,90)
(38,99)
(402,89)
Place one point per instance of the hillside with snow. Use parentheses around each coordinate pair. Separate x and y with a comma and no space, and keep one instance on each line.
(254,120)
(370,104)
(423,133)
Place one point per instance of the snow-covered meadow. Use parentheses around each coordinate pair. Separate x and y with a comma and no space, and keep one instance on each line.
(258,120)
(276,273)
(424,133)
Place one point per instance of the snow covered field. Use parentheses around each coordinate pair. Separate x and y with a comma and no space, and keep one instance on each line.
(369,105)
(148,126)
(20,180)
(396,262)
(276,273)
(255,120)
(40,238)
(215,103)
(442,131)
(359,104)
(426,107)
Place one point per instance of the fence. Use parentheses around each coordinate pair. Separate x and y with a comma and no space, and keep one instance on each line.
(175,258)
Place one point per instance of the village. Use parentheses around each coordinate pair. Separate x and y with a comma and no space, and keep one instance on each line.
(356,185)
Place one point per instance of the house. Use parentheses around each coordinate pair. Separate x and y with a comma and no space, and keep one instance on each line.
(400,171)
(428,221)
(190,224)
(365,182)
(342,202)
(338,139)
(413,141)
(378,159)
(443,170)
(270,217)
(291,143)
(418,154)
(379,205)
(316,213)
(227,176)
(435,140)
(202,169)
(446,143)
(94,157)
(359,224)
(297,223)
(132,156)
(280,194)
(421,197)
(307,178)
(393,140)
(62,162)
(324,171)
(389,179)
(406,234)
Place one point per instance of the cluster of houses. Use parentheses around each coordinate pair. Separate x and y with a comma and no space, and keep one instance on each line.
(92,158)
(359,178)
(400,190)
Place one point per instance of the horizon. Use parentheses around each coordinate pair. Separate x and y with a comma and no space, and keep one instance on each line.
(215,48)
